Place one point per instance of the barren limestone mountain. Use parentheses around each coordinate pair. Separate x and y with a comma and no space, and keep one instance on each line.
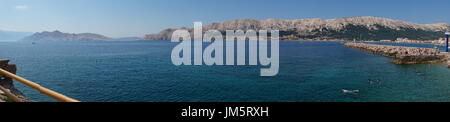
(363,28)
(60,36)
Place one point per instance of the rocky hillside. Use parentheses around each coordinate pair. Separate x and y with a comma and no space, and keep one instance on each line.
(163,35)
(361,28)
(60,36)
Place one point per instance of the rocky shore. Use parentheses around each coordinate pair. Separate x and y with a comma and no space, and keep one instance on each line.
(403,55)
(8,82)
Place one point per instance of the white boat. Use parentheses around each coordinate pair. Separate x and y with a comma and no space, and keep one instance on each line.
(349,91)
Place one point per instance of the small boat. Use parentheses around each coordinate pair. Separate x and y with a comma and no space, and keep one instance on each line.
(349,91)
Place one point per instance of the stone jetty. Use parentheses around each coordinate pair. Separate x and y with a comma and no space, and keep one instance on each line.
(8,82)
(401,54)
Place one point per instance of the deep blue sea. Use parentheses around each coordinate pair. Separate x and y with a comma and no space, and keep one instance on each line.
(143,72)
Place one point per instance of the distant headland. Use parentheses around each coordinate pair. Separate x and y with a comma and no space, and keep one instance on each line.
(60,36)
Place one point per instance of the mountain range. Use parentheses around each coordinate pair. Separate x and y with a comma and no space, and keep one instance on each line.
(360,28)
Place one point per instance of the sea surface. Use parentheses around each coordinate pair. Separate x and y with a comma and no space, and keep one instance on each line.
(143,72)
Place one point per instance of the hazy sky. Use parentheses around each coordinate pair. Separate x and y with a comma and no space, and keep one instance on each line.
(122,18)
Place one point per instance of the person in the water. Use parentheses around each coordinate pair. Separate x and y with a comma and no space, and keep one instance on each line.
(370,81)
(378,81)
(417,71)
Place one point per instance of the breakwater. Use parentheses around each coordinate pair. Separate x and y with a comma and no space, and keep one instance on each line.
(402,55)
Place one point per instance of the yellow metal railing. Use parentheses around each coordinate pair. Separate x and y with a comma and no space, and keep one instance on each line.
(43,90)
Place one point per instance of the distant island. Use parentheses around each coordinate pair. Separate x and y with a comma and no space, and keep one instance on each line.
(353,28)
(60,36)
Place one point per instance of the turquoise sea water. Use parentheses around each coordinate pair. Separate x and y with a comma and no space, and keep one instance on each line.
(142,71)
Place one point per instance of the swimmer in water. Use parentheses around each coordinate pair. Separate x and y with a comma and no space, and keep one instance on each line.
(416,70)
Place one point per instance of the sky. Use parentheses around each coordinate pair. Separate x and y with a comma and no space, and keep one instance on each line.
(127,18)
